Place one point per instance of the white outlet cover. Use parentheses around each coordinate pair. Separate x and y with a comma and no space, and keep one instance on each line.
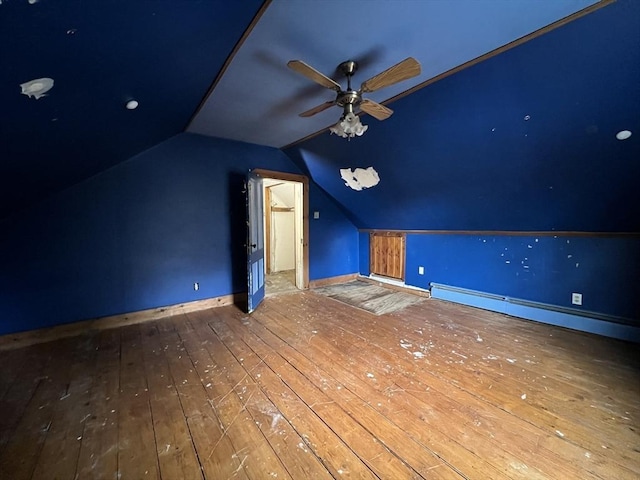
(576,298)
(420,270)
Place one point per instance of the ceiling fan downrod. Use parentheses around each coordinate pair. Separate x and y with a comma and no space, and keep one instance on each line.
(348,98)
(348,68)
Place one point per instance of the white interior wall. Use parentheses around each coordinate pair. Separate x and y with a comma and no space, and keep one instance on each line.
(283,228)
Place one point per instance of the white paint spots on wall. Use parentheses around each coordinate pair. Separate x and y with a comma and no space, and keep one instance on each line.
(623,134)
(37,88)
(360,178)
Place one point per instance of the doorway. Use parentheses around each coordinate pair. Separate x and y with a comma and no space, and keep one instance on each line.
(285,219)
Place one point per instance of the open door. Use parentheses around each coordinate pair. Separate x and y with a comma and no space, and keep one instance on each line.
(255,241)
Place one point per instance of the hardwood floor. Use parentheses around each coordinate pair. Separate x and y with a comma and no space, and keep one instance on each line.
(307,387)
(280,282)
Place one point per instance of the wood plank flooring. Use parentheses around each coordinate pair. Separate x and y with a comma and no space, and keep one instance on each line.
(307,387)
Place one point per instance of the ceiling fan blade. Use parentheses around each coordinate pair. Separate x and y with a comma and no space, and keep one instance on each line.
(310,72)
(404,70)
(375,109)
(318,109)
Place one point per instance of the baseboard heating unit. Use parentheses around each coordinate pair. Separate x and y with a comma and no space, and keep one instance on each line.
(592,322)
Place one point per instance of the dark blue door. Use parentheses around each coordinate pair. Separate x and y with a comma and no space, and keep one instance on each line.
(255,241)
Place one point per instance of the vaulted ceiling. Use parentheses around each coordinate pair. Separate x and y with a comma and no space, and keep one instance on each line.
(215,68)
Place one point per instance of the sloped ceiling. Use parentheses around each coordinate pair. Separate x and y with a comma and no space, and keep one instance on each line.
(525,140)
(177,59)
(101,54)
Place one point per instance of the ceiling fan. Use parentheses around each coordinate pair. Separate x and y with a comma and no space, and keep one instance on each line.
(349,99)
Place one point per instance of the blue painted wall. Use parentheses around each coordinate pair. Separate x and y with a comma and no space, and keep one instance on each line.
(333,245)
(544,269)
(138,235)
(364,252)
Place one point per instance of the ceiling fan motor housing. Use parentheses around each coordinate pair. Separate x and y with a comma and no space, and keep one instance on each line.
(350,97)
(349,67)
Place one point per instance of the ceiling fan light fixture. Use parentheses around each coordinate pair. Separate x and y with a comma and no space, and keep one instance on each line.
(349,126)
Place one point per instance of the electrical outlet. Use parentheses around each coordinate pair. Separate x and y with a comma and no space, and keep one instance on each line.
(316,215)
(196,286)
(420,270)
(576,298)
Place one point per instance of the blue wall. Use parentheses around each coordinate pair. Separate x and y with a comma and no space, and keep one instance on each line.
(138,235)
(333,246)
(544,269)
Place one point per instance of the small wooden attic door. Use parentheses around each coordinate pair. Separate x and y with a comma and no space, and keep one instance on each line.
(387,254)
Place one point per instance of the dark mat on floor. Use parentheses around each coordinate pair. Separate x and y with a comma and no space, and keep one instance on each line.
(369,297)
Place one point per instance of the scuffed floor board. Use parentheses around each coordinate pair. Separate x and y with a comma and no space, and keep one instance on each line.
(372,298)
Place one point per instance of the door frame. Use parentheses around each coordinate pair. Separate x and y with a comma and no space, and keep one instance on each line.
(304,181)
